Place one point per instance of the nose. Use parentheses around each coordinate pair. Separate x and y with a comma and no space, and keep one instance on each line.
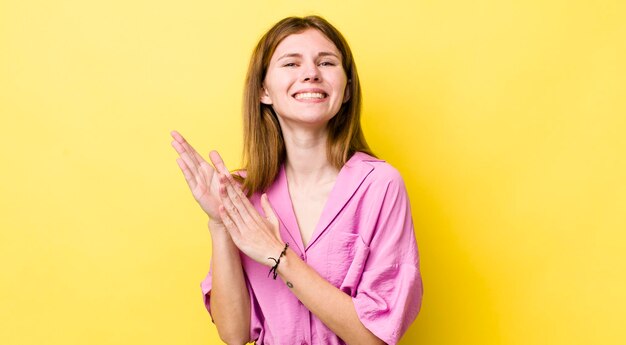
(311,74)
(313,79)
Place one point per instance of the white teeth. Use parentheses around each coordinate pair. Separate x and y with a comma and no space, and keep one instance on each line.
(309,95)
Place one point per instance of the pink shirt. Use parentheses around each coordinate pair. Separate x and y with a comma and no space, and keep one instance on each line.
(364,245)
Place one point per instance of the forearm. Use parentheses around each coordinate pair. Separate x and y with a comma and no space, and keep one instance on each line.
(333,307)
(230,300)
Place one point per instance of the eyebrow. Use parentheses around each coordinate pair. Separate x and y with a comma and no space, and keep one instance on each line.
(298,55)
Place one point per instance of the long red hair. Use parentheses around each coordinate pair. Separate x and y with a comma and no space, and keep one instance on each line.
(264,147)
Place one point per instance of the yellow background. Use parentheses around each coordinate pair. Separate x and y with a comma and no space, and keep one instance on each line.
(506,118)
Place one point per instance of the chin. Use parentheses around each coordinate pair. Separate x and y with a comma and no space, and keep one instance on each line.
(306,117)
(314,119)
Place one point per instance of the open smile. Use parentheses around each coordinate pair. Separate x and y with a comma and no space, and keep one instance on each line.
(310,95)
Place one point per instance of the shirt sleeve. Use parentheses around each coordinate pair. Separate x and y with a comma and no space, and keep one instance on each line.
(389,294)
(255,312)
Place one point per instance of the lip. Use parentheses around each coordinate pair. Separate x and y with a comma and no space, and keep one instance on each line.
(310,90)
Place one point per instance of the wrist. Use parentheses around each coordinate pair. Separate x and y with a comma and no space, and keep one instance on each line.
(218,231)
(275,261)
(286,260)
(216,225)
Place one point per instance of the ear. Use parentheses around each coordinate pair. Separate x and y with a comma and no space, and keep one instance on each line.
(265,97)
(346,92)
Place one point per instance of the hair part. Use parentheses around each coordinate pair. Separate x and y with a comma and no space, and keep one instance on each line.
(264,147)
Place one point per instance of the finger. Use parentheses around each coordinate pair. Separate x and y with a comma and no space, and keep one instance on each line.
(215,179)
(193,167)
(201,186)
(189,177)
(207,172)
(198,157)
(217,161)
(182,147)
(244,213)
(231,227)
(231,209)
(177,136)
(178,147)
(269,211)
(184,154)
(193,154)
(190,150)
(246,209)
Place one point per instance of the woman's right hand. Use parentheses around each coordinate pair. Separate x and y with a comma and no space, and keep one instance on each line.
(201,176)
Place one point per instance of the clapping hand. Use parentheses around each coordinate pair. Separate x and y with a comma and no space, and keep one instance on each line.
(201,177)
(256,236)
(222,199)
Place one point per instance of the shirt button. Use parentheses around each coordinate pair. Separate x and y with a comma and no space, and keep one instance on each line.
(302,256)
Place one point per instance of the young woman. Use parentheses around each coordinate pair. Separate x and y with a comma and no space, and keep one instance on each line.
(312,206)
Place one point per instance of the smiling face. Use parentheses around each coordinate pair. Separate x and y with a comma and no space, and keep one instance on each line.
(305,81)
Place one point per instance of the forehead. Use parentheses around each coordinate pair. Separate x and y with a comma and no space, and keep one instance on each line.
(309,41)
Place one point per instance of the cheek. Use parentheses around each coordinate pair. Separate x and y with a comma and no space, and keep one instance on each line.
(340,79)
(340,85)
(275,92)
(279,78)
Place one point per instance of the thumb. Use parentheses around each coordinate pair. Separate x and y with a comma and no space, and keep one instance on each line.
(269,212)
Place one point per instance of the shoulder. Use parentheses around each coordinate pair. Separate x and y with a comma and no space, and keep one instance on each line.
(381,172)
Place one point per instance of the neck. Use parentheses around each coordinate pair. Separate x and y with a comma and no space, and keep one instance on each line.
(307,164)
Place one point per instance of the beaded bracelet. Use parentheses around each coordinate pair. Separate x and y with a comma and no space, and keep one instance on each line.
(277,261)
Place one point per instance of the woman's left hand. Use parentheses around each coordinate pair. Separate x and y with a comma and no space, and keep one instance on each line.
(256,236)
